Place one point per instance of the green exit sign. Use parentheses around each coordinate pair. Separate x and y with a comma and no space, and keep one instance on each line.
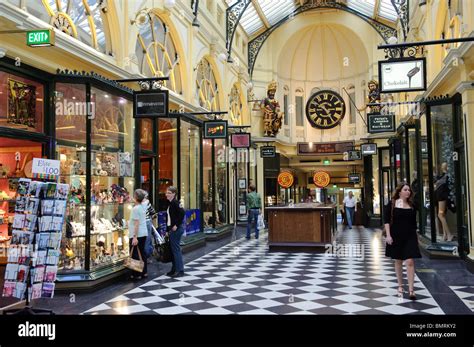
(326,162)
(40,38)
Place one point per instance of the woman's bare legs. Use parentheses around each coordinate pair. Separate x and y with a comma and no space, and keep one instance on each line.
(399,272)
(442,217)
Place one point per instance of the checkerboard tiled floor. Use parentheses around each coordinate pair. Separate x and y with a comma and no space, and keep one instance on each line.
(466,294)
(245,278)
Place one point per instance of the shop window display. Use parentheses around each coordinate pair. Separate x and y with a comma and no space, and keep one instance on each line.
(220,176)
(443,171)
(168,159)
(208,189)
(21,103)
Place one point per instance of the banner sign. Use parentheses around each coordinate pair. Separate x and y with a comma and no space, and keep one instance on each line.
(150,104)
(380,123)
(193,221)
(267,151)
(313,148)
(402,75)
(215,129)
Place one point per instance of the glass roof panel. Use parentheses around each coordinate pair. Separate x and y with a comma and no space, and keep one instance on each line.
(363,6)
(274,12)
(387,10)
(251,21)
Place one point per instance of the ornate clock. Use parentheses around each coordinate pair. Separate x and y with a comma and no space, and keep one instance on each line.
(325,109)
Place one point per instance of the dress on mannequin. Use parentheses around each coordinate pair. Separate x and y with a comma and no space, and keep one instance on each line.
(441,198)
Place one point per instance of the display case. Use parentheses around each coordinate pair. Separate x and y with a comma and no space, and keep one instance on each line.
(96,151)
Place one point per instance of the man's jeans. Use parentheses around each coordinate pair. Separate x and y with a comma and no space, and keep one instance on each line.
(175,240)
(253,215)
(350,216)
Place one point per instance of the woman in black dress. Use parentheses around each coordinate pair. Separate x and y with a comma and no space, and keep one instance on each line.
(401,240)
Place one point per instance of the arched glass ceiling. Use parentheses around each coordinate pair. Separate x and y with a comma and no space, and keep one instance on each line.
(262,14)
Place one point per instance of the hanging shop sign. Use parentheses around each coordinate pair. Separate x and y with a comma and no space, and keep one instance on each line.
(240,140)
(324,148)
(285,179)
(150,104)
(215,129)
(402,75)
(354,155)
(380,123)
(40,38)
(424,149)
(354,178)
(45,168)
(368,148)
(321,179)
(267,151)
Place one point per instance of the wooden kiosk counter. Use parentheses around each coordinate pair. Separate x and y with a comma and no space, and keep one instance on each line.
(305,225)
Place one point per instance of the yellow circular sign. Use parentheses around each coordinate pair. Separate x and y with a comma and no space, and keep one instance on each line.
(285,179)
(321,179)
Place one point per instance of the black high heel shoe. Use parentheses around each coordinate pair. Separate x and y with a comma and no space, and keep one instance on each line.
(412,295)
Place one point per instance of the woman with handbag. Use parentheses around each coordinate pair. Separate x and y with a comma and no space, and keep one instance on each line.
(175,216)
(138,233)
(402,240)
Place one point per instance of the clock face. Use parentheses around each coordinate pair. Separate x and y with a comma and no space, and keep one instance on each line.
(325,109)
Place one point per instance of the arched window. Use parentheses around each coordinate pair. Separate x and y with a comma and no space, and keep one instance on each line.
(235,105)
(85,20)
(206,86)
(299,96)
(156,52)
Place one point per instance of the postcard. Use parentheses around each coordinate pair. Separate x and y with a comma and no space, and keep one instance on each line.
(62,191)
(32,205)
(22,273)
(16,237)
(13,254)
(30,222)
(11,272)
(35,189)
(60,207)
(20,204)
(19,221)
(27,237)
(23,186)
(57,224)
(37,274)
(50,190)
(46,223)
(9,289)
(53,257)
(50,274)
(47,207)
(54,240)
(48,290)
(36,291)
(20,290)
(43,241)
(39,258)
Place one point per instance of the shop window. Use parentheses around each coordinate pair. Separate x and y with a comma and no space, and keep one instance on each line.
(235,105)
(206,86)
(207,189)
(85,20)
(156,52)
(71,112)
(167,159)
(375,184)
(146,134)
(16,158)
(443,170)
(21,103)
(220,177)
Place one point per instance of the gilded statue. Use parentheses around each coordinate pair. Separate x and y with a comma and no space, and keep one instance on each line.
(272,116)
(373,97)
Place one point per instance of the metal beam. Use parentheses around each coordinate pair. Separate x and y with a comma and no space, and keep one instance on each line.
(233,15)
(401,6)
(260,13)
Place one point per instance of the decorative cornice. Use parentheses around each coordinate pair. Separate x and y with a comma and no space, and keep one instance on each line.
(463,86)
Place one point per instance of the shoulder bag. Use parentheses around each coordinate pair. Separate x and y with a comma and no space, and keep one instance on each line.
(135,264)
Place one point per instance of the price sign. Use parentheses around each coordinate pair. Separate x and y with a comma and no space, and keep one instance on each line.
(45,168)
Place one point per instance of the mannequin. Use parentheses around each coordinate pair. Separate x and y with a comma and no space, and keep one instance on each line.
(441,197)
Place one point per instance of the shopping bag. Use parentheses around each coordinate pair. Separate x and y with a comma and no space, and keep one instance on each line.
(260,222)
(163,251)
(135,264)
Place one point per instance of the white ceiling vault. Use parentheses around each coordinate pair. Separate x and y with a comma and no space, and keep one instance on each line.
(261,15)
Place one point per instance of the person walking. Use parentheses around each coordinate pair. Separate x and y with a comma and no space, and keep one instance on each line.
(150,215)
(349,208)
(401,239)
(138,232)
(254,208)
(175,228)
